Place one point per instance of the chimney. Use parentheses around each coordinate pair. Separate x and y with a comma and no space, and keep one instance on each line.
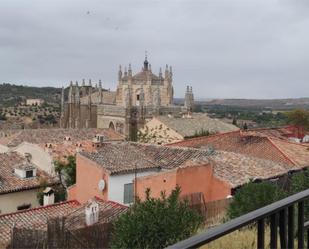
(98,140)
(49,196)
(92,213)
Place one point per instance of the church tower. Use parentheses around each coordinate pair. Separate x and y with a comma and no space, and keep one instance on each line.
(189,100)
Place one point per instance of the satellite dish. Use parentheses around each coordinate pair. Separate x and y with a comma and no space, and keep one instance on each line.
(101,185)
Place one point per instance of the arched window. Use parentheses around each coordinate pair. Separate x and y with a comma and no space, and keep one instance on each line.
(111,125)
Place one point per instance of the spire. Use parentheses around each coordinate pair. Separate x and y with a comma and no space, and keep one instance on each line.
(125,71)
(70,97)
(166,71)
(100,92)
(83,82)
(76,92)
(189,99)
(171,72)
(160,72)
(89,94)
(62,101)
(146,62)
(130,70)
(119,73)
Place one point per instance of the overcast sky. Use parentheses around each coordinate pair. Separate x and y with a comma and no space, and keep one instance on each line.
(223,48)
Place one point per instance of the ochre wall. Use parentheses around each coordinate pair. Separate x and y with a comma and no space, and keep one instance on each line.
(191,179)
(201,179)
(163,181)
(71,191)
(88,175)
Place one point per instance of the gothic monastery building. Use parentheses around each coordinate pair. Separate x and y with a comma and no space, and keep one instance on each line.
(137,99)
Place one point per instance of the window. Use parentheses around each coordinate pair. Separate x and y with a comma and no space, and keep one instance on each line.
(128,193)
(24,206)
(137,97)
(29,173)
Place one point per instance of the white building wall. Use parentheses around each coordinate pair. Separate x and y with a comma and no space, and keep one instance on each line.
(116,184)
(4,149)
(10,202)
(41,158)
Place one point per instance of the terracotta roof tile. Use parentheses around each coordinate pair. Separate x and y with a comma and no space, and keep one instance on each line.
(54,136)
(254,144)
(197,122)
(36,218)
(9,182)
(126,157)
(237,169)
(234,168)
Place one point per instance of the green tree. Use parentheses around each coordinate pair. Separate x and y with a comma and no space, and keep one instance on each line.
(252,196)
(299,117)
(66,171)
(156,223)
(300,182)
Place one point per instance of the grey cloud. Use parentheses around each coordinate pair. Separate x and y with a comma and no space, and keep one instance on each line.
(239,48)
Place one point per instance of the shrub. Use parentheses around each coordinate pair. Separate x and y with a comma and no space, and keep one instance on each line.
(67,170)
(252,196)
(156,223)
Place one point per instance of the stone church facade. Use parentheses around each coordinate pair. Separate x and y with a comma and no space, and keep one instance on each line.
(137,99)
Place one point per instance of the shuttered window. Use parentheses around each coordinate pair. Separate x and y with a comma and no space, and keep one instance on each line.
(128,193)
(29,173)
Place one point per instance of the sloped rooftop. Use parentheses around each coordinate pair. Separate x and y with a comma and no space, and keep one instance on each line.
(9,182)
(54,136)
(254,144)
(233,168)
(36,218)
(188,126)
(128,157)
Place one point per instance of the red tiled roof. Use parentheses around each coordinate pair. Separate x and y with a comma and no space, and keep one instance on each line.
(124,157)
(36,218)
(9,182)
(54,136)
(256,144)
(238,169)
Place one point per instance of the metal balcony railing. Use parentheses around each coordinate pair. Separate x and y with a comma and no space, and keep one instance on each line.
(281,215)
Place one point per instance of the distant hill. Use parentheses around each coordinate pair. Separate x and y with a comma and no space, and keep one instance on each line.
(11,95)
(283,104)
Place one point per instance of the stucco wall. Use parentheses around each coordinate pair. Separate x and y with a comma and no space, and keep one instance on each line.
(71,192)
(116,184)
(201,179)
(9,202)
(4,149)
(190,179)
(163,181)
(88,175)
(40,157)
